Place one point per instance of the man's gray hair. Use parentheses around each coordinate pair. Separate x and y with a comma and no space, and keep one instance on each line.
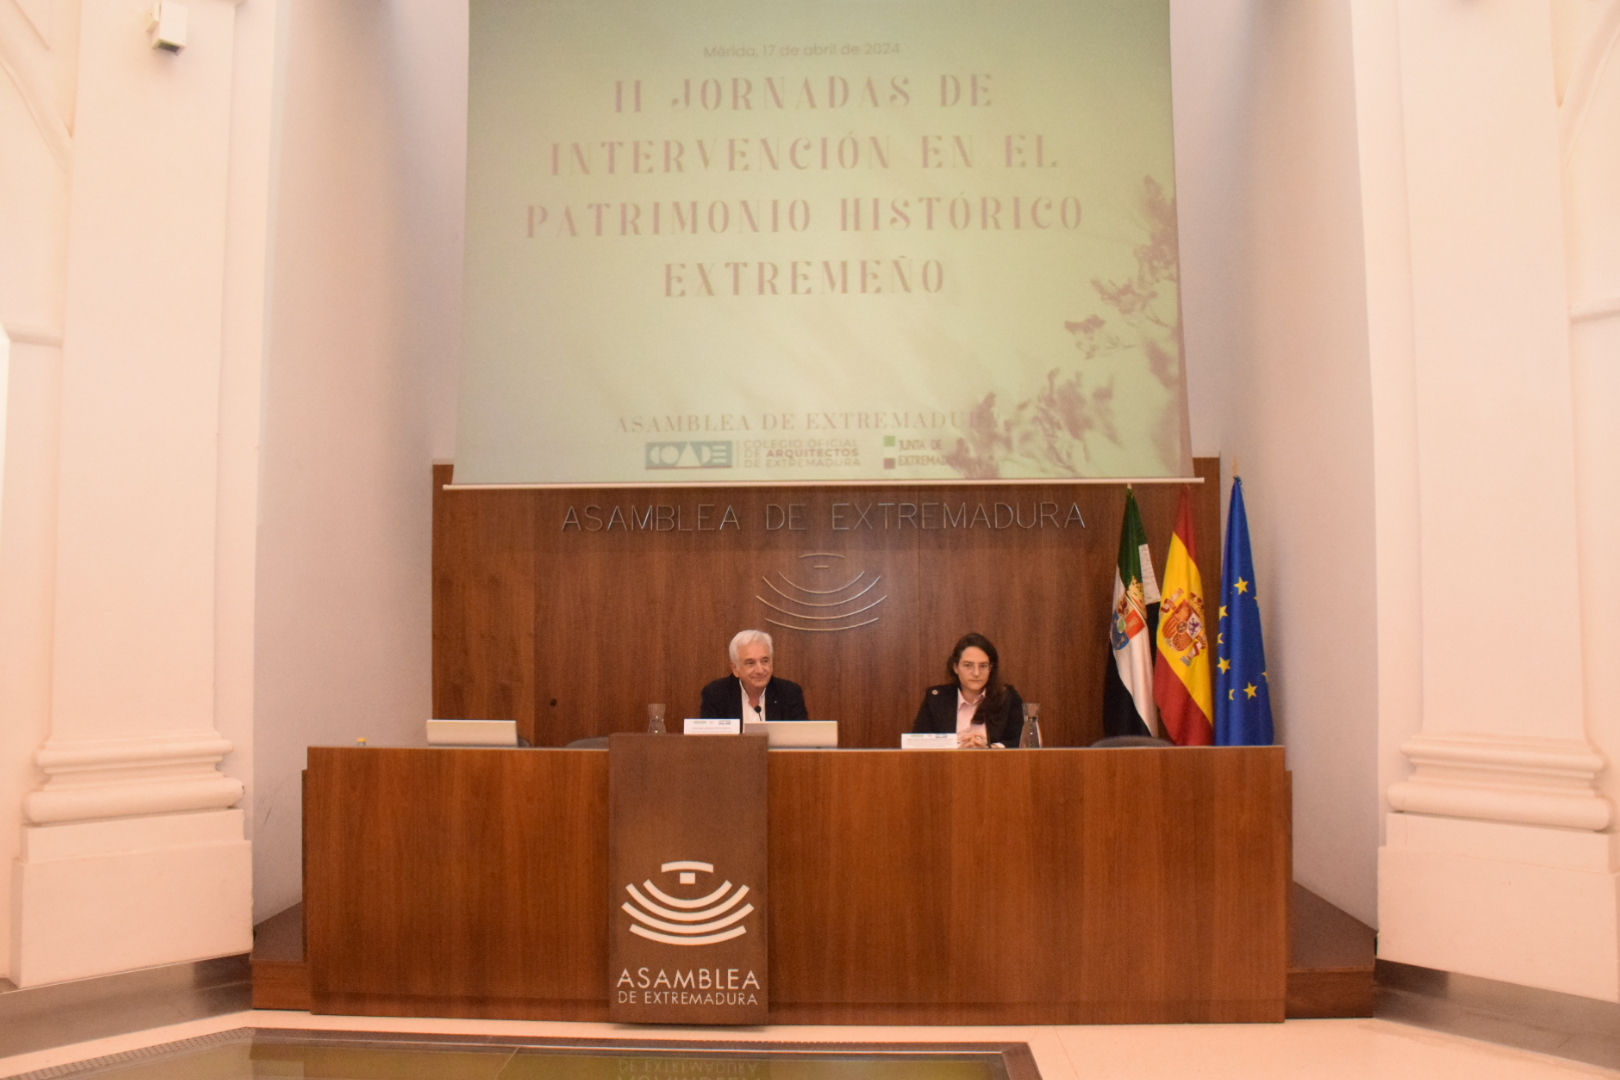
(749,637)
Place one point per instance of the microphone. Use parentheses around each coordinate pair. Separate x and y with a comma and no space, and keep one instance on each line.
(759,713)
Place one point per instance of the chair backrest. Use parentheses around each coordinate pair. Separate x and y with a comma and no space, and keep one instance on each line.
(595,742)
(1130,740)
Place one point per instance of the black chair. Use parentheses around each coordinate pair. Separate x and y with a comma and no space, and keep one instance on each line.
(1129,740)
(595,742)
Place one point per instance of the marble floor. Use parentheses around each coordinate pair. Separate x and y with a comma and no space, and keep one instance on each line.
(1368,1049)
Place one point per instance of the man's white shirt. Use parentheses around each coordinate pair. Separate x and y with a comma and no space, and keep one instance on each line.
(748,714)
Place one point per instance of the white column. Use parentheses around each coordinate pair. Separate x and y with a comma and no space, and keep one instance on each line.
(1497,860)
(134,856)
(1588,45)
(38,48)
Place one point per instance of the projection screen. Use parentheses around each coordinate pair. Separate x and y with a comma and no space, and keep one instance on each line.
(849,240)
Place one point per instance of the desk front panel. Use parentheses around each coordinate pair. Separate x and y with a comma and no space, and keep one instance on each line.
(1058,886)
(457,882)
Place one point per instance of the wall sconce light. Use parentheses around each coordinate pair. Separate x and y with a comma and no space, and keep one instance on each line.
(168,25)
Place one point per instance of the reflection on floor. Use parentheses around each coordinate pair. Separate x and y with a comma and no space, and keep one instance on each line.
(74,1012)
(1582,1029)
(1365,1049)
(244,1054)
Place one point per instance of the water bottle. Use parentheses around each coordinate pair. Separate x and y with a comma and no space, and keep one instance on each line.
(655,720)
(1032,726)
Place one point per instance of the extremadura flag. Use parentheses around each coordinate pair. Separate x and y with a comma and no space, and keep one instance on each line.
(1128,693)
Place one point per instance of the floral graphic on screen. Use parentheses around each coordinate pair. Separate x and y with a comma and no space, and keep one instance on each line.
(1054,430)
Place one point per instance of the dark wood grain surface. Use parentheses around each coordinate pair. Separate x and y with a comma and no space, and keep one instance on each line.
(280,973)
(1064,887)
(691,800)
(457,882)
(1332,959)
(573,631)
(484,615)
(1059,886)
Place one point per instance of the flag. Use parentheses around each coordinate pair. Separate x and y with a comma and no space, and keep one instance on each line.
(1128,694)
(1242,693)
(1181,684)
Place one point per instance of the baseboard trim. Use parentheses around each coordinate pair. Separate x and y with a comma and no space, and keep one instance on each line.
(59,1014)
(1545,1021)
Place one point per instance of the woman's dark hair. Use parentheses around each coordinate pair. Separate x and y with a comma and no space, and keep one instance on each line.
(995,693)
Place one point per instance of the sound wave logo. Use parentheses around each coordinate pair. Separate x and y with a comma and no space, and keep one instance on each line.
(845,606)
(676,921)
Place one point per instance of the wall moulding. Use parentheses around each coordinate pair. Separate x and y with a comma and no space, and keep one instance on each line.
(1523,779)
(1595,52)
(45,337)
(1590,310)
(120,777)
(25,62)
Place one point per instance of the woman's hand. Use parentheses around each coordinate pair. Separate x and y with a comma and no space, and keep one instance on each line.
(971,740)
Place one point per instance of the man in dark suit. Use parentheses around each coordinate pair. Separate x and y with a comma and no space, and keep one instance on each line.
(749,692)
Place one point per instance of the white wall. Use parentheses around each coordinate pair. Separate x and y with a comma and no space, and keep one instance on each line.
(242,362)
(363,324)
(1587,46)
(1209,43)
(1391,363)
(27,558)
(1317,354)
(429,71)
(1249,78)
(1374,308)
(1267,169)
(1495,859)
(123,266)
(333,379)
(36,115)
(341,341)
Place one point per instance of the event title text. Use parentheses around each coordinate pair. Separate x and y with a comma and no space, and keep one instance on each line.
(924,162)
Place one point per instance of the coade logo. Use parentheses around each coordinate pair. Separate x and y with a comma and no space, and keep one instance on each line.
(688,455)
(677,921)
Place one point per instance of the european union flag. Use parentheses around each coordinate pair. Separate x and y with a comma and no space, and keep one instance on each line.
(1242,696)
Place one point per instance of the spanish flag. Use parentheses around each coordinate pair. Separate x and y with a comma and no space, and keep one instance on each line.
(1181,678)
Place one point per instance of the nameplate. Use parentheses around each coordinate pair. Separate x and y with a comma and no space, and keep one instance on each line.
(928,742)
(695,726)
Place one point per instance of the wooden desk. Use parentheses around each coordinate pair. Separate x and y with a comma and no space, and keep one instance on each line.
(1051,886)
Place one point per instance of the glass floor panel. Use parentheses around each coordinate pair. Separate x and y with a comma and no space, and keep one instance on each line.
(247,1054)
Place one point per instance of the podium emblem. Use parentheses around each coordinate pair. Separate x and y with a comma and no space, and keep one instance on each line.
(675,920)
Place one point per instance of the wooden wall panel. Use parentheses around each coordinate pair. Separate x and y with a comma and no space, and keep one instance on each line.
(462,883)
(1108,886)
(1059,886)
(573,630)
(484,617)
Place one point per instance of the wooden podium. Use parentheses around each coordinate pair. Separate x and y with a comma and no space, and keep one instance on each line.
(1016,887)
(688,930)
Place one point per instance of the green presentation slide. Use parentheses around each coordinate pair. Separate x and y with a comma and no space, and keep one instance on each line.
(714,241)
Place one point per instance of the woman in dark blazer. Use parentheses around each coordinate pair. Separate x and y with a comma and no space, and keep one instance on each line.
(997,712)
